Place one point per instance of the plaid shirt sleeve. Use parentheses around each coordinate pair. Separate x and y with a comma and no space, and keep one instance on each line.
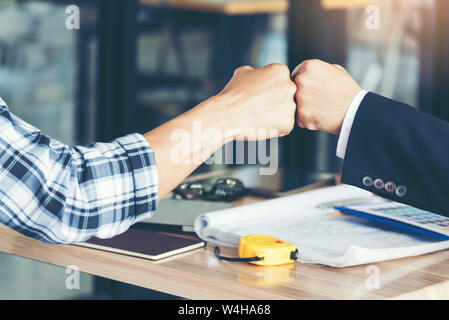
(58,194)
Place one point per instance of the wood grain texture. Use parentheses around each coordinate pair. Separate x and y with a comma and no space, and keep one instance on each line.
(199,275)
(230,7)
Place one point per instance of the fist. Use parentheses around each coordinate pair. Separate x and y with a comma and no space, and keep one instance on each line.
(324,94)
(261,100)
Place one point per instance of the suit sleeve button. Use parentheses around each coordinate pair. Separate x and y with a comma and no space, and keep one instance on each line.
(390,187)
(379,184)
(367,181)
(401,191)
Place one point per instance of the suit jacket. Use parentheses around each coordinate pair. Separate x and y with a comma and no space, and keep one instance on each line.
(399,153)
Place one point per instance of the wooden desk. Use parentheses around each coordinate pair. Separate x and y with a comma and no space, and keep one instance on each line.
(230,7)
(199,275)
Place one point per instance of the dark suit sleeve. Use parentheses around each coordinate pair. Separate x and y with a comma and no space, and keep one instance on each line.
(394,143)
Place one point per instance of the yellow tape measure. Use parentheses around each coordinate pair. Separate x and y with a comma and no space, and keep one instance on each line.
(263,250)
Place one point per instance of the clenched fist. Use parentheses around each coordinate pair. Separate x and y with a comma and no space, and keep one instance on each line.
(260,99)
(324,94)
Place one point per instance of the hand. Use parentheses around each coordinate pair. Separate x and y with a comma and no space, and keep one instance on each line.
(260,99)
(254,100)
(324,94)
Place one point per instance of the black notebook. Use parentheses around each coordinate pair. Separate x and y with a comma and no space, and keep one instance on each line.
(146,244)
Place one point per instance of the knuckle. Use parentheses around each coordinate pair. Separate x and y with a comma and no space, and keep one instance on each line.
(302,85)
(299,99)
(310,63)
(242,68)
(280,67)
(304,80)
(312,126)
(301,115)
(287,127)
(288,131)
(304,65)
(275,65)
(292,88)
(291,124)
(301,123)
(292,106)
(304,114)
(291,112)
(339,66)
(315,64)
(307,63)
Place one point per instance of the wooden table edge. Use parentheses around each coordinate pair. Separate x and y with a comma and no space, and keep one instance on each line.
(136,271)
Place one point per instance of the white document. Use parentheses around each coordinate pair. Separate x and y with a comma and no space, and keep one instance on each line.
(321,235)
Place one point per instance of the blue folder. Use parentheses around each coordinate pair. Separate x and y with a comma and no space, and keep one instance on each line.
(394,223)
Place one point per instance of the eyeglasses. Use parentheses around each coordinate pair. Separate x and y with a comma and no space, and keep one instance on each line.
(224,189)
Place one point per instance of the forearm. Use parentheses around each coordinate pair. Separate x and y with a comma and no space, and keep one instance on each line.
(58,194)
(256,103)
(181,145)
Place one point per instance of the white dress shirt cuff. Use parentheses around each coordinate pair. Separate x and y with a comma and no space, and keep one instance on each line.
(347,123)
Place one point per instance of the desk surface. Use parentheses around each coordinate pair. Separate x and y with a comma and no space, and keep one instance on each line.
(230,7)
(199,275)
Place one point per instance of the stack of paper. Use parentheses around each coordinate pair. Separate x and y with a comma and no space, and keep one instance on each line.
(321,234)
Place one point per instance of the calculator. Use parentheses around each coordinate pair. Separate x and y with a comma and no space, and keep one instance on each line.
(404,217)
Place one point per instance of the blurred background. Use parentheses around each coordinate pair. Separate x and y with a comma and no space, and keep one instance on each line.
(134,64)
